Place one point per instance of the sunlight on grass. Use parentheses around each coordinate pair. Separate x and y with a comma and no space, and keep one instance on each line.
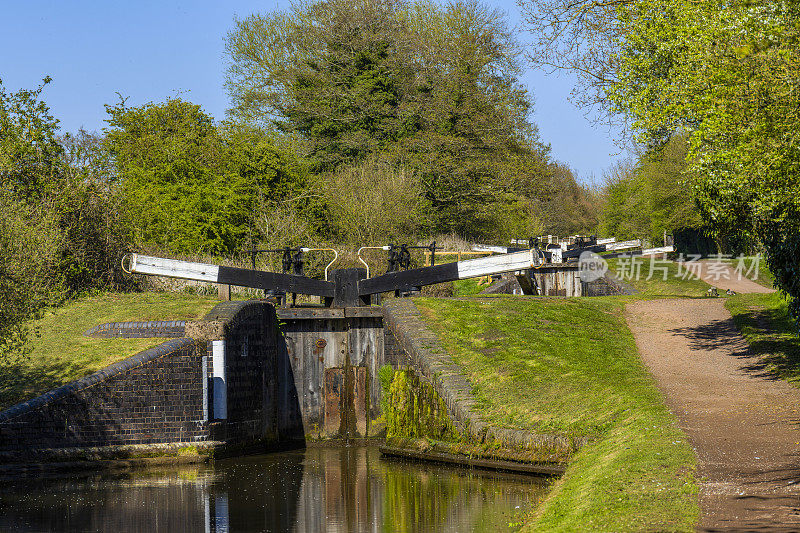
(665,278)
(570,366)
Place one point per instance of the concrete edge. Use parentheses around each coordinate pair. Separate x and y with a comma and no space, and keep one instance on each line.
(427,357)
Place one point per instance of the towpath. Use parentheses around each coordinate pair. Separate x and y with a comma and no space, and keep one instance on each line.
(743,423)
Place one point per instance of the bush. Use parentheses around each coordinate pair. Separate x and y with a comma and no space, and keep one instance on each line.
(30,250)
(374,203)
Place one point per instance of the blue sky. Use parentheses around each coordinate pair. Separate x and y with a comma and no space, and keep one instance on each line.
(150,50)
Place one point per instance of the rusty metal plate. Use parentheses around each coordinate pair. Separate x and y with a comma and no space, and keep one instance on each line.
(334,383)
(361,399)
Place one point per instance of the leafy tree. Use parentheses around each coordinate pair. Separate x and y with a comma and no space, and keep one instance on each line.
(334,71)
(191,186)
(59,234)
(177,189)
(651,197)
(431,89)
(30,246)
(30,153)
(725,74)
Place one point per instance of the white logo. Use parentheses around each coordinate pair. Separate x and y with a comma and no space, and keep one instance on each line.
(591,266)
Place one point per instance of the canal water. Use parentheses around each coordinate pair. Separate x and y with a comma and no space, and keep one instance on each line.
(350,489)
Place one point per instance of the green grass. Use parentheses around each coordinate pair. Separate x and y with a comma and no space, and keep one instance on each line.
(764,322)
(570,366)
(467,287)
(657,287)
(61,353)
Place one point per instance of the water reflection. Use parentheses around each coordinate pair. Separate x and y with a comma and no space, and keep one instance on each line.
(316,490)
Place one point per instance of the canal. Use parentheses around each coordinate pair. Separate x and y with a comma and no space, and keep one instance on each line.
(348,489)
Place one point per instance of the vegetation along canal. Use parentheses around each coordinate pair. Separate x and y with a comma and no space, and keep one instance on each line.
(317,489)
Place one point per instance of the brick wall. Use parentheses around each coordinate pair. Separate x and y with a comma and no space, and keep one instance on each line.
(153,397)
(262,401)
(234,360)
(163,395)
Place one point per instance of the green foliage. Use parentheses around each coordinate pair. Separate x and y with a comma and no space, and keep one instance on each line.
(30,164)
(60,234)
(431,90)
(192,187)
(373,204)
(30,242)
(651,197)
(176,188)
(722,74)
(726,75)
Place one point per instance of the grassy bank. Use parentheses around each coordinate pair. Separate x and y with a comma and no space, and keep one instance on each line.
(665,278)
(570,366)
(763,320)
(60,353)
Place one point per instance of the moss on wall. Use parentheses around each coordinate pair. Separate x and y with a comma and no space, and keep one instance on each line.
(413,409)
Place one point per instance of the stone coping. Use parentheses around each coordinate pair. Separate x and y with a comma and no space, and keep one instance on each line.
(134,330)
(427,356)
(501,465)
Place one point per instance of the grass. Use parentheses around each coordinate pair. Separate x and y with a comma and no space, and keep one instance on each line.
(657,286)
(61,353)
(764,322)
(467,287)
(570,366)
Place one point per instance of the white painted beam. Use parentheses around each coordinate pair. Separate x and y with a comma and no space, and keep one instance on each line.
(661,250)
(158,266)
(497,264)
(489,248)
(624,245)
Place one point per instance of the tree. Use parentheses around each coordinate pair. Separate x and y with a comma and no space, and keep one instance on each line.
(59,234)
(650,197)
(178,192)
(190,186)
(433,90)
(336,72)
(725,74)
(581,36)
(30,153)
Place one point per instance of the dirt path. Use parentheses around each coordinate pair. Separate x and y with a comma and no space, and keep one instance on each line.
(742,423)
(723,276)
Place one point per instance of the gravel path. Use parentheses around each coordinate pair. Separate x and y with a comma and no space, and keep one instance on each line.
(723,276)
(742,423)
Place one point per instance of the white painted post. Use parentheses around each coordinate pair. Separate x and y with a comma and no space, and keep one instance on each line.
(204,369)
(220,387)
